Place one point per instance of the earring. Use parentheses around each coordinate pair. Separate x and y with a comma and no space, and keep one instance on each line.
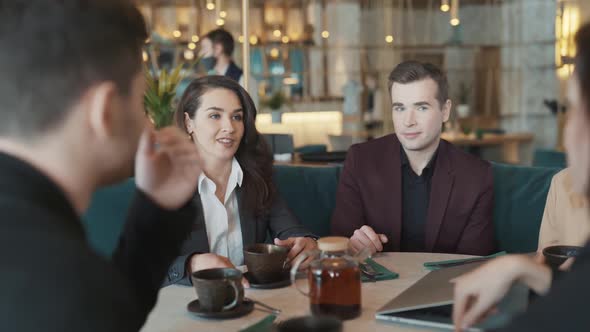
(190,135)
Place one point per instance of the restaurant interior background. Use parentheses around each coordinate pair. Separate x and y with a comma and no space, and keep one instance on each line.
(507,63)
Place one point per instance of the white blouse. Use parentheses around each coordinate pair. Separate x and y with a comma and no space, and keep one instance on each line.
(222,220)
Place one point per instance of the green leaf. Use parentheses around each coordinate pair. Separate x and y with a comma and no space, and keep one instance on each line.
(162,83)
(160,93)
(175,76)
(151,83)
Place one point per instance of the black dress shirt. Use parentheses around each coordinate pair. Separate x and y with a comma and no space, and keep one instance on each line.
(415,199)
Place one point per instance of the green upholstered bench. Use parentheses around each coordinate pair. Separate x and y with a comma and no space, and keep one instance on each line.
(549,158)
(105,218)
(310,192)
(312,148)
(520,194)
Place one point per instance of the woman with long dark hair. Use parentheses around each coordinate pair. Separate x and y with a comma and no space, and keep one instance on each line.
(564,301)
(240,205)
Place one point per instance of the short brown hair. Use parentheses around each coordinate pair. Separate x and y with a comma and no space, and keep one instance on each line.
(412,71)
(221,36)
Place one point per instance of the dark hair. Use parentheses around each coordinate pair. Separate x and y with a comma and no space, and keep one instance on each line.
(582,69)
(221,36)
(412,71)
(52,51)
(582,61)
(253,153)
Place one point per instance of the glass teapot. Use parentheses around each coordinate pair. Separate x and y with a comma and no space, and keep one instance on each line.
(334,278)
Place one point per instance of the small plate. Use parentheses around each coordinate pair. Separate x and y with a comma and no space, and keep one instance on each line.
(245,308)
(273,285)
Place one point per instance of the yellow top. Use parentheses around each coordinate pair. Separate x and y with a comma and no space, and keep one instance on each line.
(333,243)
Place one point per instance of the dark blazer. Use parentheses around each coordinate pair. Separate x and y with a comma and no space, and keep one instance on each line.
(459,217)
(234,72)
(53,281)
(279,223)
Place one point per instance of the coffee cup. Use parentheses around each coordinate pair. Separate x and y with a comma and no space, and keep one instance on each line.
(557,255)
(266,263)
(218,289)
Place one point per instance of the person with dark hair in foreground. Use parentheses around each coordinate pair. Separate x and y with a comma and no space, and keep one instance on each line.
(413,191)
(562,305)
(71,103)
(239,203)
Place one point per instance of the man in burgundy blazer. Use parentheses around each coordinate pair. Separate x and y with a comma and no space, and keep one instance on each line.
(413,191)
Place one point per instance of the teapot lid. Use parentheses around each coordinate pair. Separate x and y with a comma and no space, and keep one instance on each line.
(333,243)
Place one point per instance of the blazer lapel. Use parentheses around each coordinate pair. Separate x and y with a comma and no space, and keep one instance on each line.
(247,223)
(392,202)
(441,187)
(199,233)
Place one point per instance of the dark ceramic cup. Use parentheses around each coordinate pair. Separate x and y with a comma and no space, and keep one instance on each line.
(266,262)
(310,324)
(557,255)
(218,289)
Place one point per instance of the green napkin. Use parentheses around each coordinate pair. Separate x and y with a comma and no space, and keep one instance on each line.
(385,274)
(455,262)
(263,325)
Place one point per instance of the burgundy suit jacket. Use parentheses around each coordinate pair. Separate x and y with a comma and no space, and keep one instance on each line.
(459,217)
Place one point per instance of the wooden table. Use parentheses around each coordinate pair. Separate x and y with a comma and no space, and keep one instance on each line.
(170,313)
(510,143)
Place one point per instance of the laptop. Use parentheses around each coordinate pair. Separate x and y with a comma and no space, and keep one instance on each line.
(429,302)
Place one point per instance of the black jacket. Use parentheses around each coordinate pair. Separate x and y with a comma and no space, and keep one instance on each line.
(234,72)
(53,281)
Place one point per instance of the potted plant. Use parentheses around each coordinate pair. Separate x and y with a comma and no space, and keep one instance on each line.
(275,103)
(160,94)
(463,106)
